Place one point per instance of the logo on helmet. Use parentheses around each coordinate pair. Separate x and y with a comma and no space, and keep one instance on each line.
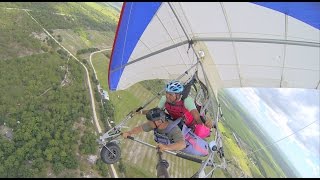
(174,87)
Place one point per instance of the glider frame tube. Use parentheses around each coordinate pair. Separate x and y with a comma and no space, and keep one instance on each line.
(169,152)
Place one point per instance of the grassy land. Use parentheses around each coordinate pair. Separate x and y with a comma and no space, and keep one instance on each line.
(137,172)
(74,41)
(16,38)
(20,36)
(106,10)
(100,62)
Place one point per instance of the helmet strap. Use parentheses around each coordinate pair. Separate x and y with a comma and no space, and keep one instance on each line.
(178,99)
(155,124)
(162,122)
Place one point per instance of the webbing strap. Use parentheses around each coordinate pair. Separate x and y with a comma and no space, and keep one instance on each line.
(172,125)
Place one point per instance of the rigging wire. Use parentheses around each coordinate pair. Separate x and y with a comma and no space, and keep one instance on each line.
(275,141)
(185,33)
(172,38)
(191,43)
(282,138)
(183,29)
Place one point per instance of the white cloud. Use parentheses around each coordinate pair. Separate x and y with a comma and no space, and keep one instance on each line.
(303,115)
(289,92)
(306,112)
(314,167)
(312,131)
(298,143)
(253,99)
(280,125)
(306,115)
(280,119)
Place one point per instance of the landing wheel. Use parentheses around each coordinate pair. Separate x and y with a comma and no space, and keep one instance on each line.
(110,153)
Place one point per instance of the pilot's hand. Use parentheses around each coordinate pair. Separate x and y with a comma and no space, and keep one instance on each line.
(136,113)
(162,147)
(126,134)
(208,123)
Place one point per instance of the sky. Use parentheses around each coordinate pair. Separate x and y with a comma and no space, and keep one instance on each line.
(282,112)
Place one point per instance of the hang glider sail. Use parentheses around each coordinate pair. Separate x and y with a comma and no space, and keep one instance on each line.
(225,44)
(264,44)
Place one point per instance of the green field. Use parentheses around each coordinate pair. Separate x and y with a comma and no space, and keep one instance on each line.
(15,35)
(52,131)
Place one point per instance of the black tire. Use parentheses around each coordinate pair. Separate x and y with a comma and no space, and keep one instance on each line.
(110,157)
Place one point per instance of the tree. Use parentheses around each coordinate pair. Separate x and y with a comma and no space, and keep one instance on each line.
(48,154)
(44,48)
(88,143)
(58,167)
(102,168)
(24,172)
(59,38)
(38,163)
(71,161)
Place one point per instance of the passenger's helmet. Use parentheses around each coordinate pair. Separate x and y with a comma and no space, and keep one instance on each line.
(174,87)
(155,114)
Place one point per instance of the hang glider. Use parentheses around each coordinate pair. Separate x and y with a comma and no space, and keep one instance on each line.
(228,44)
(264,44)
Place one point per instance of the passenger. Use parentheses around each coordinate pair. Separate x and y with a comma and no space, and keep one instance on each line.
(169,136)
(183,107)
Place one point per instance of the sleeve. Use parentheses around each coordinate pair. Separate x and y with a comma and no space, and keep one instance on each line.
(146,127)
(189,103)
(176,135)
(162,102)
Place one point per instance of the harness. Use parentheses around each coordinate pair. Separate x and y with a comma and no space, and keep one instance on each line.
(163,137)
(201,101)
(178,110)
(194,144)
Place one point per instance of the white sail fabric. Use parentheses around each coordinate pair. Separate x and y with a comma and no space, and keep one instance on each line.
(244,45)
